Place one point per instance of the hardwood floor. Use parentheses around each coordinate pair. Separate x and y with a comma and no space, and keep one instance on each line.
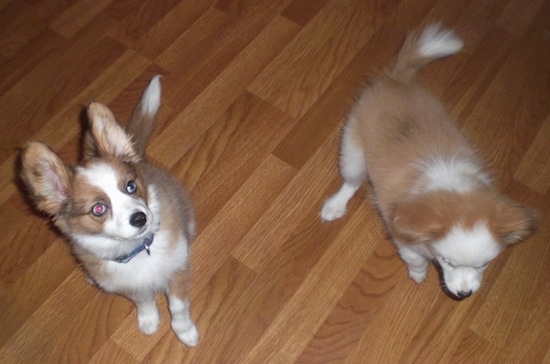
(254,95)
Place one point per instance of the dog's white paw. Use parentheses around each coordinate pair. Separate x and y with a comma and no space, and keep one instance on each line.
(417,275)
(334,208)
(182,324)
(149,322)
(189,336)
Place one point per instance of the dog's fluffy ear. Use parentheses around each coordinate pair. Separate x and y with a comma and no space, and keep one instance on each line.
(105,137)
(514,222)
(46,176)
(417,221)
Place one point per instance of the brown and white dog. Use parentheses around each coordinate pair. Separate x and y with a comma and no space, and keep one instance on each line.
(428,183)
(129,222)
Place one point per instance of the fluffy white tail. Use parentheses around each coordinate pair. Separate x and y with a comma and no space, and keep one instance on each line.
(143,119)
(422,48)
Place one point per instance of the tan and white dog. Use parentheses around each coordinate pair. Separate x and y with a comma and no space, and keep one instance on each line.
(428,183)
(130,223)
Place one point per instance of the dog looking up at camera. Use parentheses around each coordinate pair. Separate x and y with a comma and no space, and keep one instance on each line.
(130,223)
(428,183)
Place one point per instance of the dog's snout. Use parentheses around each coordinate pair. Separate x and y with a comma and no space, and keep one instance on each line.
(138,219)
(464,294)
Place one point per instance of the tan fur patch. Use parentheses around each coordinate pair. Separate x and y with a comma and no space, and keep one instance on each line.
(46,176)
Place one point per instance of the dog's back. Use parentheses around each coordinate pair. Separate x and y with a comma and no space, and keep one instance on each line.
(399,122)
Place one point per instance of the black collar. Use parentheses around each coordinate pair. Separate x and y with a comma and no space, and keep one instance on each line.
(145,246)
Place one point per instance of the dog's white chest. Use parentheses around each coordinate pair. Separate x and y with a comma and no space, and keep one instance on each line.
(151,271)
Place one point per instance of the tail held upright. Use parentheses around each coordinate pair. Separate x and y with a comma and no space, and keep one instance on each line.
(419,49)
(143,121)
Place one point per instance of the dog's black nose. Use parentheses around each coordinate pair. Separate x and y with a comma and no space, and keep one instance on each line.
(138,219)
(464,294)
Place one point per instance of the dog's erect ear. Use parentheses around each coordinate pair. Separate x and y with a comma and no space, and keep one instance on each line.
(46,176)
(105,137)
(514,222)
(417,221)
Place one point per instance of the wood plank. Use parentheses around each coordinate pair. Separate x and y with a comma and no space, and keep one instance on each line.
(367,294)
(20,22)
(281,219)
(78,16)
(292,329)
(534,168)
(300,74)
(496,311)
(221,92)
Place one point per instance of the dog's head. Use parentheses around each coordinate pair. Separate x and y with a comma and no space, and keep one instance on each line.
(102,202)
(463,232)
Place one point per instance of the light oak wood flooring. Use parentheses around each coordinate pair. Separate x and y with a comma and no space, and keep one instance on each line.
(254,96)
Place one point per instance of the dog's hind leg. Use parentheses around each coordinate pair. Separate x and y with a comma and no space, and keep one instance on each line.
(354,172)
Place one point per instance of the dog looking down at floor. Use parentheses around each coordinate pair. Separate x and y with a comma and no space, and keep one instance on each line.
(428,183)
(130,223)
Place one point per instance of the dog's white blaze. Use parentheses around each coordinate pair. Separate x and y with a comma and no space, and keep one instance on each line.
(104,177)
(468,251)
(469,247)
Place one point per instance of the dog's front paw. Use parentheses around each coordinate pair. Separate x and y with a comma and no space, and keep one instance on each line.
(334,208)
(417,275)
(188,335)
(148,322)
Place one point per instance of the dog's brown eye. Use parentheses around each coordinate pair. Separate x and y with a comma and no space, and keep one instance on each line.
(99,209)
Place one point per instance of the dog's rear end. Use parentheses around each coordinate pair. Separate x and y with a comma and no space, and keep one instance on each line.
(402,125)
(395,121)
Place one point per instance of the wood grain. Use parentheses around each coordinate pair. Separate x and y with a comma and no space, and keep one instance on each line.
(254,95)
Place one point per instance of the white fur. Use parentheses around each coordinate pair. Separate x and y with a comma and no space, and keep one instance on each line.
(148,315)
(436,42)
(182,324)
(451,174)
(473,247)
(149,272)
(463,255)
(354,171)
(352,161)
(143,276)
(335,206)
(150,101)
(416,257)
